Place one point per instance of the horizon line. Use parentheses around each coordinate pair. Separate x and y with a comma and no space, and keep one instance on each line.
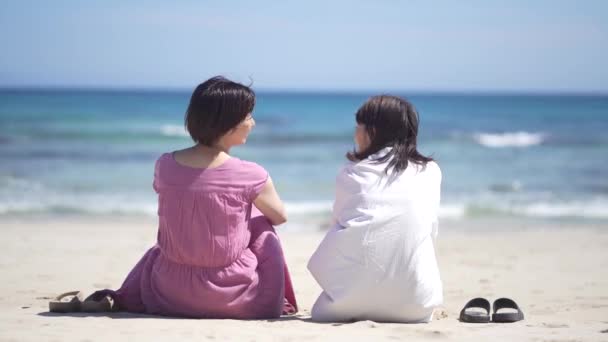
(344,91)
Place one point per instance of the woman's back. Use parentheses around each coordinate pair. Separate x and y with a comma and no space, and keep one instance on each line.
(204,212)
(412,197)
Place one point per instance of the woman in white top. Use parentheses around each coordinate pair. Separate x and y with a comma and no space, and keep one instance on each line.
(378,260)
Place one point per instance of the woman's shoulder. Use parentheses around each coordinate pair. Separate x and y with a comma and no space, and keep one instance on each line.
(247,165)
(432,167)
(164,158)
(248,169)
(356,175)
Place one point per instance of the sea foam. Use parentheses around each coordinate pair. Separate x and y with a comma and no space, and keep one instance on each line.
(509,139)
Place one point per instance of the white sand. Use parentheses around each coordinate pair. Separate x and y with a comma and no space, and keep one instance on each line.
(558,276)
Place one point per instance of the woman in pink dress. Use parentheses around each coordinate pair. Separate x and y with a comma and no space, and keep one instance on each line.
(217,254)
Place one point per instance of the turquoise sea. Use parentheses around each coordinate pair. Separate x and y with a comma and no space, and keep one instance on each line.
(86,152)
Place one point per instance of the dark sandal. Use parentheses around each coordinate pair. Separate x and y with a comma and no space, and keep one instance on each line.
(99,301)
(63,303)
(471,316)
(506,317)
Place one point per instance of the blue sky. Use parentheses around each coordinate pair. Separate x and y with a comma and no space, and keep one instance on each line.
(339,45)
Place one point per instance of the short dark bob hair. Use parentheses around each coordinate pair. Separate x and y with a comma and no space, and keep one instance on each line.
(217,106)
(390,121)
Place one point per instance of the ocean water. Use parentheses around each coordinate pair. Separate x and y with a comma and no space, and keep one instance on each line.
(65,152)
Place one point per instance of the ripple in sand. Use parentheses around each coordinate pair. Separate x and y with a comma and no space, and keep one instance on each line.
(555,325)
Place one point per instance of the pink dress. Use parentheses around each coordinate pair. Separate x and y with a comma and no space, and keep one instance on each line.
(217,256)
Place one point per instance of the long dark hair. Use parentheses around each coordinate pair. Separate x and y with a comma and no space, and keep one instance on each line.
(390,121)
(217,106)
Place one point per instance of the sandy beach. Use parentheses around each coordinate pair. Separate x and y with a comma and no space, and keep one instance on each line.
(557,275)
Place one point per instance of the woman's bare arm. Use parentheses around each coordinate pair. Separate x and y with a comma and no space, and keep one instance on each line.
(270,204)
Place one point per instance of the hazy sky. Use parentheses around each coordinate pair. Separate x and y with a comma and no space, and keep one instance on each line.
(483,45)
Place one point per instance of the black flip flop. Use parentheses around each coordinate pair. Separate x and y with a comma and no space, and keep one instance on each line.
(99,301)
(471,316)
(506,317)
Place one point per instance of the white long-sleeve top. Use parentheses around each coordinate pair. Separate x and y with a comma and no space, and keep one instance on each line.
(378,260)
